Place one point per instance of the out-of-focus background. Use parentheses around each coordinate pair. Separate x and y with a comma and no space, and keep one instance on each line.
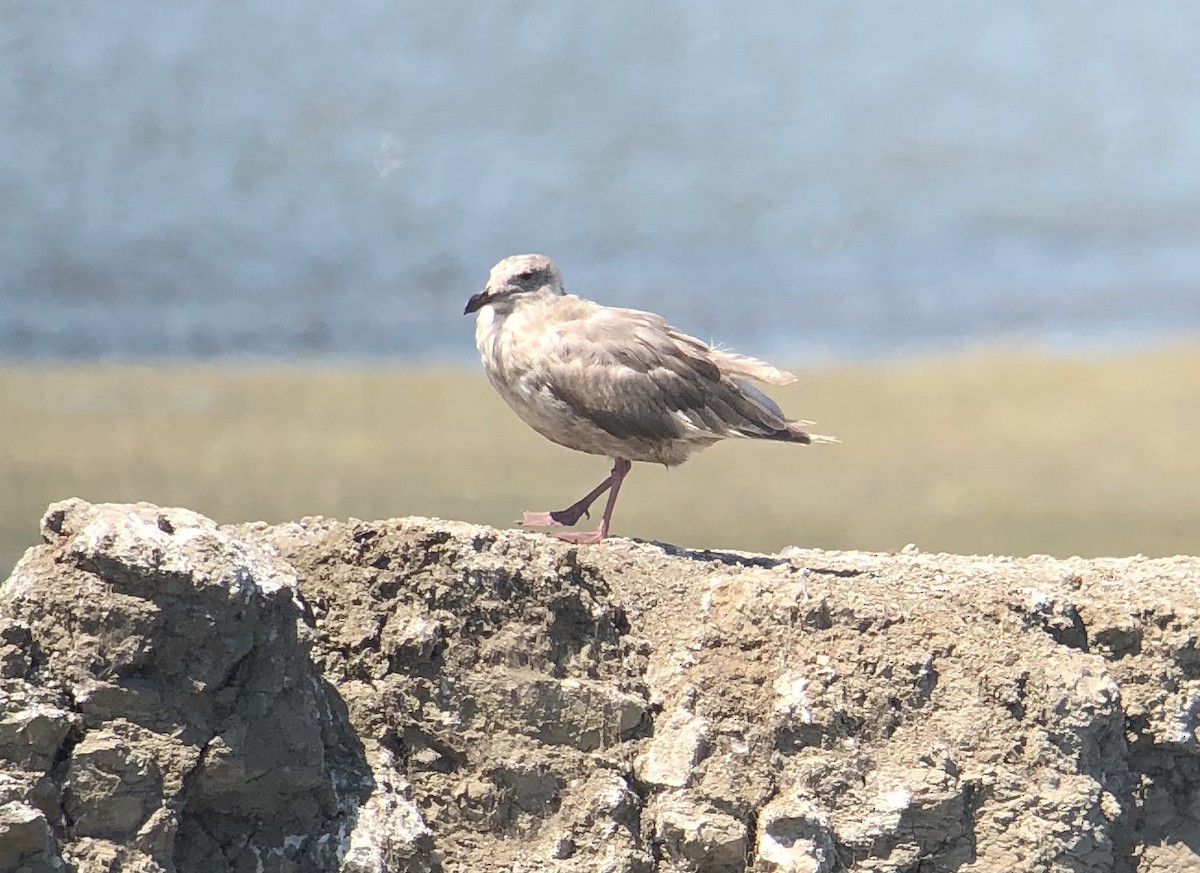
(237,240)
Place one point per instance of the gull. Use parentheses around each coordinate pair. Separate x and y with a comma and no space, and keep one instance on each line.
(616,382)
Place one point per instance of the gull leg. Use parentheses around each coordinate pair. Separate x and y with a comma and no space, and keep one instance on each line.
(620,468)
(572,513)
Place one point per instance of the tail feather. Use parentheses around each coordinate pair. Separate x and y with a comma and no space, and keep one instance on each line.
(741,368)
(734,364)
(794,434)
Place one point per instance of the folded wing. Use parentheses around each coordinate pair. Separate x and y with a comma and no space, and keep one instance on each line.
(635,377)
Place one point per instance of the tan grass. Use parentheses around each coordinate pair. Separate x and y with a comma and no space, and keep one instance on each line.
(997,452)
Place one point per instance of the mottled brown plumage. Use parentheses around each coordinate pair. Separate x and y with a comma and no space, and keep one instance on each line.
(616,382)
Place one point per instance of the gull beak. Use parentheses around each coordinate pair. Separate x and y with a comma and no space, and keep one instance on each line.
(477,302)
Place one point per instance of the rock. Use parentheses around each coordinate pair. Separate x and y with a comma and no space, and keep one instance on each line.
(388,834)
(415,695)
(679,743)
(113,783)
(694,836)
(572,712)
(30,738)
(193,729)
(796,836)
(911,815)
(26,841)
(15,644)
(598,828)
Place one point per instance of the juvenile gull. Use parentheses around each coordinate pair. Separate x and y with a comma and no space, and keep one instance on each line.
(615,382)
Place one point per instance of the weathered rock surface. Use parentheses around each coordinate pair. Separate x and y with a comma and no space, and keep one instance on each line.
(421,695)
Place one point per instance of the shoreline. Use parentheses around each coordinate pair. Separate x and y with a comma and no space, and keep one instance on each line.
(1104,347)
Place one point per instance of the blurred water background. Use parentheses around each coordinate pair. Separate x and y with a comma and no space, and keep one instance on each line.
(805,180)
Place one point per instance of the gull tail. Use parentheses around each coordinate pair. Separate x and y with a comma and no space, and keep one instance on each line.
(733,364)
(794,433)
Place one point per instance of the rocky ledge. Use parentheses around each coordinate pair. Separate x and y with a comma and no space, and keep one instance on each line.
(420,695)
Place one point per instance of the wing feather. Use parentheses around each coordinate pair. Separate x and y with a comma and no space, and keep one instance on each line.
(635,377)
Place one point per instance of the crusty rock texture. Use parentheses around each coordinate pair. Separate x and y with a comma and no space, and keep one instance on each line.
(420,695)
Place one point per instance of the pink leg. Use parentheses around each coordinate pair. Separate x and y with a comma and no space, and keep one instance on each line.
(576,511)
(620,468)
(572,513)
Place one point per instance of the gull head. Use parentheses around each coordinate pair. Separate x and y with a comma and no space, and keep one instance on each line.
(514,278)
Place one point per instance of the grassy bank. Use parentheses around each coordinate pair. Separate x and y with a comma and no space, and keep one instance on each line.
(1004,453)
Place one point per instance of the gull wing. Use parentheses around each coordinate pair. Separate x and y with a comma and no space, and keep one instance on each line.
(637,378)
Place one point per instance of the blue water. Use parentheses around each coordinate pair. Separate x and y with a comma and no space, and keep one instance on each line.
(802,180)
